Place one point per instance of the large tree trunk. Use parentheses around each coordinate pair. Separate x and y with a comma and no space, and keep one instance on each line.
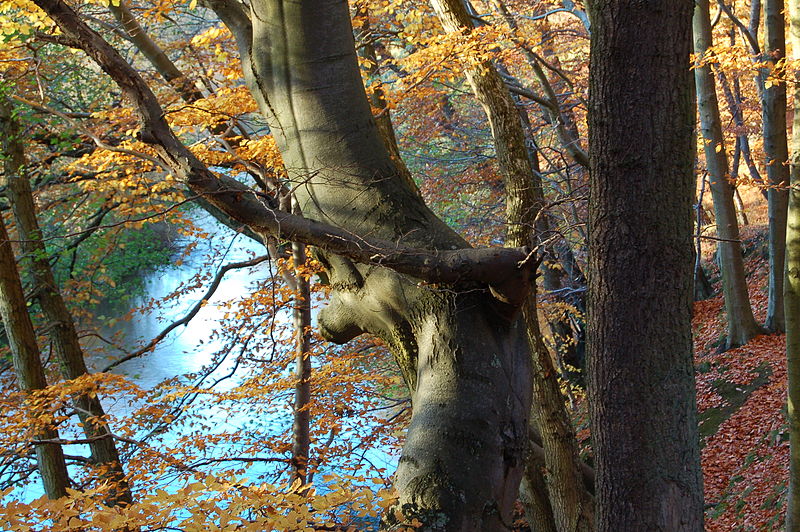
(27,364)
(641,379)
(792,293)
(742,325)
(65,338)
(777,154)
(465,362)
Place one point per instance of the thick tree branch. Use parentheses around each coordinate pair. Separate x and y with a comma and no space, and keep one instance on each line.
(499,267)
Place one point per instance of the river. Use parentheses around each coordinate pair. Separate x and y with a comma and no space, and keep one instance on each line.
(190,348)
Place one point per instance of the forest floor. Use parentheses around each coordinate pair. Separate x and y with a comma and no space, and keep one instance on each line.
(741,395)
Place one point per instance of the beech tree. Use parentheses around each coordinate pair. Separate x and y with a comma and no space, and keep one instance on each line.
(792,292)
(742,325)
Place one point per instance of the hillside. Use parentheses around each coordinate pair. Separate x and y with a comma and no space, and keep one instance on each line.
(742,401)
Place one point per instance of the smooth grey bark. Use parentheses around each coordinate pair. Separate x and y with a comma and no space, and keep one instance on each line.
(742,325)
(791,289)
(641,376)
(777,155)
(68,351)
(450,475)
(28,365)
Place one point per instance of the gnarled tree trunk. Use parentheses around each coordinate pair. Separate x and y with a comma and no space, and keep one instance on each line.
(464,358)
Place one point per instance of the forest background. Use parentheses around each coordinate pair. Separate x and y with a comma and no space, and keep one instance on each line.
(467,98)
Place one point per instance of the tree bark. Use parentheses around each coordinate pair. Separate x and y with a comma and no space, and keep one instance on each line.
(184,86)
(742,325)
(641,380)
(301,317)
(65,338)
(571,504)
(777,155)
(27,365)
(792,293)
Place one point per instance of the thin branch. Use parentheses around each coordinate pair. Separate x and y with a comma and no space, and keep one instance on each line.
(192,313)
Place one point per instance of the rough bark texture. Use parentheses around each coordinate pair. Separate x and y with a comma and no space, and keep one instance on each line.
(641,380)
(792,293)
(777,155)
(742,325)
(67,346)
(27,364)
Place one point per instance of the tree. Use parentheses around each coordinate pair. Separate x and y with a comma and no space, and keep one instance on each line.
(640,268)
(792,293)
(777,154)
(457,470)
(68,351)
(742,325)
(22,338)
(570,501)
(451,312)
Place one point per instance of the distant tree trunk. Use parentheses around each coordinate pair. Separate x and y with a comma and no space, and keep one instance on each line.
(62,329)
(792,293)
(571,504)
(641,377)
(742,325)
(377,99)
(777,154)
(301,317)
(27,364)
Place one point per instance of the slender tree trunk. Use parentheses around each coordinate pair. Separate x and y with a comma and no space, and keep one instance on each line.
(301,316)
(571,504)
(27,365)
(777,154)
(742,325)
(65,338)
(792,293)
(641,377)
